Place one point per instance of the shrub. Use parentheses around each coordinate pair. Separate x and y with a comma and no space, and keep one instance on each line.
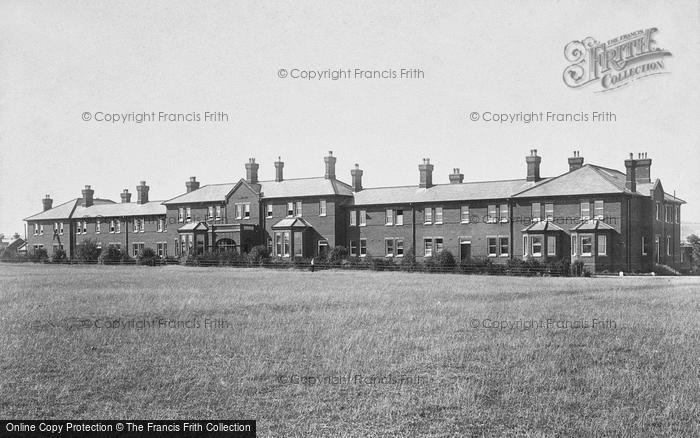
(87,251)
(337,255)
(39,255)
(408,262)
(578,269)
(258,254)
(148,257)
(110,255)
(58,256)
(445,261)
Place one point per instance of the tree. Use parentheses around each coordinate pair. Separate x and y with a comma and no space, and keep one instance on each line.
(694,240)
(87,251)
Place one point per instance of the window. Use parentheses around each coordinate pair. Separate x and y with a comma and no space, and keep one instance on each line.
(286,239)
(492,246)
(322,248)
(119,226)
(598,210)
(536,245)
(399,247)
(298,244)
(162,249)
(438,245)
(99,245)
(389,247)
(491,214)
(78,228)
(181,214)
(188,217)
(41,229)
(535,211)
(438,215)
(211,212)
(503,247)
(399,217)
(111,226)
(525,245)
(269,210)
(278,244)
(464,214)
(363,218)
(389,218)
(428,247)
(246,211)
(290,209)
(353,218)
(239,211)
(137,248)
(669,213)
(55,227)
(98,226)
(428,215)
(363,247)
(549,211)
(658,211)
(322,207)
(585,211)
(586,245)
(668,245)
(36,229)
(602,245)
(657,247)
(645,246)
(84,228)
(218,212)
(60,229)
(298,211)
(678,216)
(551,245)
(503,213)
(573,245)
(353,248)
(161,225)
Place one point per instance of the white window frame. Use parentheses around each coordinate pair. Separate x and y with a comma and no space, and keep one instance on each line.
(536,211)
(41,229)
(551,246)
(119,226)
(389,217)
(210,211)
(269,210)
(428,215)
(644,244)
(399,217)
(549,211)
(181,214)
(602,241)
(668,245)
(492,214)
(98,226)
(678,215)
(464,214)
(398,247)
(363,247)
(36,229)
(298,208)
(389,247)
(500,246)
(246,210)
(363,218)
(218,213)
(586,236)
(353,248)
(353,218)
(60,230)
(585,212)
(322,207)
(503,213)
(493,253)
(290,209)
(526,242)
(427,246)
(599,209)
(574,245)
(438,245)
(188,215)
(537,238)
(438,215)
(239,211)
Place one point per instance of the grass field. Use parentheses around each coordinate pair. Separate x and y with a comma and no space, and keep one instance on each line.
(353,353)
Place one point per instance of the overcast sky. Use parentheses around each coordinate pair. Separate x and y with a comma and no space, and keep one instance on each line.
(60,60)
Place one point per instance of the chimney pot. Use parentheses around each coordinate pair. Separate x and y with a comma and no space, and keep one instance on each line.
(192,184)
(456,177)
(533,166)
(356,174)
(575,162)
(47,202)
(279,169)
(126,196)
(426,173)
(251,171)
(142,193)
(330,165)
(88,196)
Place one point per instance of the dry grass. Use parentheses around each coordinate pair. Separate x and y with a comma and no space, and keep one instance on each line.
(640,377)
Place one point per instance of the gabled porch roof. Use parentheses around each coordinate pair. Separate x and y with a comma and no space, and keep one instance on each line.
(291,223)
(541,227)
(592,225)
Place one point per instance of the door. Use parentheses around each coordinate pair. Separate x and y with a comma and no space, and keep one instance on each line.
(465,249)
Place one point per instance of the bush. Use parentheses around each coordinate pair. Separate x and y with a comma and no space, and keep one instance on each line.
(110,255)
(39,255)
(408,262)
(58,256)
(578,269)
(87,251)
(337,255)
(445,261)
(258,254)
(148,257)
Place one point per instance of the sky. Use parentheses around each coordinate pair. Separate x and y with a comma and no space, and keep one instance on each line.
(61,64)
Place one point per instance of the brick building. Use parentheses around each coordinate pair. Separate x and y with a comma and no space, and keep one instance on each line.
(609,219)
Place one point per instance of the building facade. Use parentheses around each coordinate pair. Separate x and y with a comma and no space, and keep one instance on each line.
(608,219)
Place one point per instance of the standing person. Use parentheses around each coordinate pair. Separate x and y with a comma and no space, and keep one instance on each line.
(312,264)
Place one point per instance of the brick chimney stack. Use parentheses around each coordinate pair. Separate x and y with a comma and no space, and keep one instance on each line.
(48,203)
(279,170)
(456,177)
(142,193)
(356,174)
(533,166)
(88,196)
(192,184)
(126,196)
(575,162)
(426,173)
(631,174)
(330,165)
(251,171)
(643,168)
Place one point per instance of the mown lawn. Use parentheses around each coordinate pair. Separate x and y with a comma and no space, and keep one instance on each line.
(291,345)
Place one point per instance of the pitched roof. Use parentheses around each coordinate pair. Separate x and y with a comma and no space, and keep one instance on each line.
(295,222)
(587,180)
(591,225)
(443,192)
(121,210)
(288,188)
(542,226)
(62,211)
(193,226)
